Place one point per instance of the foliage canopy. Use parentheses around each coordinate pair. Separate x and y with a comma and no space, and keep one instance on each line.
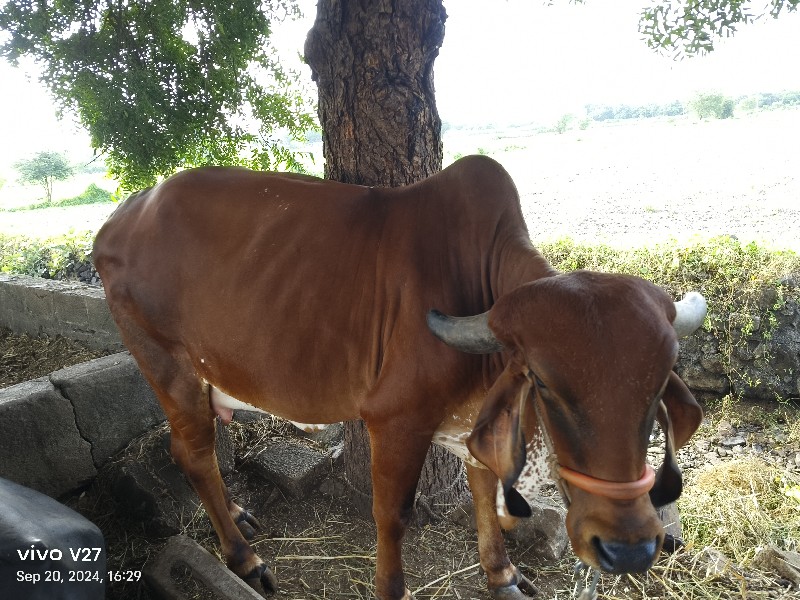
(688,27)
(161,84)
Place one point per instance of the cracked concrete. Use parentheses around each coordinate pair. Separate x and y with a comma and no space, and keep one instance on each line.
(40,446)
(57,431)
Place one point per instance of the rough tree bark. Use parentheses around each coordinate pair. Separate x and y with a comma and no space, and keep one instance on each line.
(373,64)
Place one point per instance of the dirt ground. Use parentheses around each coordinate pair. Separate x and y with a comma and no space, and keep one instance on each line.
(320,548)
(24,357)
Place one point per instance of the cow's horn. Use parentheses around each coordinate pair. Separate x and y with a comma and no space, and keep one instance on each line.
(689,314)
(468,334)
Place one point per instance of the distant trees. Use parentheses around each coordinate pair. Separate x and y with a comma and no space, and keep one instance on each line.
(713,105)
(604,112)
(43,169)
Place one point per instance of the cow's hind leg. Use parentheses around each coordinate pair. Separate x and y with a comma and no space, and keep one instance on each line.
(184,398)
(193,450)
(504,579)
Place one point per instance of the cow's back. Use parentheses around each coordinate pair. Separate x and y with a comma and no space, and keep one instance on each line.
(299,288)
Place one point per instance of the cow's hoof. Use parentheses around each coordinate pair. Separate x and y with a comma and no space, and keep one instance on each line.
(262,580)
(247,524)
(521,589)
(509,592)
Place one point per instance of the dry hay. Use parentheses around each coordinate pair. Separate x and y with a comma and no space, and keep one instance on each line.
(24,357)
(739,506)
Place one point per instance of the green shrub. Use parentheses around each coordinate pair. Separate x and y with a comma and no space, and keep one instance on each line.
(53,258)
(731,275)
(563,123)
(93,195)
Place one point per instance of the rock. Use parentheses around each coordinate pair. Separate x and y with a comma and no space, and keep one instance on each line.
(292,465)
(205,571)
(783,562)
(736,440)
(113,402)
(672,522)
(545,531)
(702,445)
(332,436)
(40,445)
(716,563)
(725,429)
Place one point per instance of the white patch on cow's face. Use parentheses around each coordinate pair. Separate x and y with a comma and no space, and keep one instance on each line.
(534,477)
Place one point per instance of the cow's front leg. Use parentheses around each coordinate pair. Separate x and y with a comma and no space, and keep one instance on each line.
(504,579)
(397,457)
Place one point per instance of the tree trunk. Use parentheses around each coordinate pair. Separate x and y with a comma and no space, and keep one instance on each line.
(373,64)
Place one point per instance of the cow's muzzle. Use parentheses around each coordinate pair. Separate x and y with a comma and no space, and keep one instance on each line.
(619,558)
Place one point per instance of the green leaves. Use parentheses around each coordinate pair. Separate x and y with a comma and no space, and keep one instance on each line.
(689,27)
(161,85)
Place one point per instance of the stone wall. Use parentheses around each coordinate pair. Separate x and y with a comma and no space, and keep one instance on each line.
(47,307)
(754,355)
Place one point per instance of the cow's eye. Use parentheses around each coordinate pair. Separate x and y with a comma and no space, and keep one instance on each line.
(539,383)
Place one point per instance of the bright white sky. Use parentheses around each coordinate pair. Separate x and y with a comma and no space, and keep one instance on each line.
(506,61)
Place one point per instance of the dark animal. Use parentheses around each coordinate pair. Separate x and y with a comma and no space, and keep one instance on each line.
(308,299)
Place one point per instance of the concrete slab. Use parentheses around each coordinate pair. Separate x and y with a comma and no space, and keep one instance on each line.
(40,444)
(292,465)
(219,582)
(45,307)
(113,403)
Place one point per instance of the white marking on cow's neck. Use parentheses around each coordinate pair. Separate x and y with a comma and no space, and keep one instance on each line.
(455,442)
(535,474)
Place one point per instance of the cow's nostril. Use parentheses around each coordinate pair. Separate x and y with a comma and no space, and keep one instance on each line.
(618,558)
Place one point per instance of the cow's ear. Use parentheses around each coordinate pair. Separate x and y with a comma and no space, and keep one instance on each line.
(684,411)
(498,441)
(679,416)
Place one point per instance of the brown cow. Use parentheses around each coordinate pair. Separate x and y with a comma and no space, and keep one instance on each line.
(308,299)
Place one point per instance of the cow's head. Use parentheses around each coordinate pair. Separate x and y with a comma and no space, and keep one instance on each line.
(597,351)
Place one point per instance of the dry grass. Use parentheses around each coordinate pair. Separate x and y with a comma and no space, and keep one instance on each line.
(24,357)
(740,506)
